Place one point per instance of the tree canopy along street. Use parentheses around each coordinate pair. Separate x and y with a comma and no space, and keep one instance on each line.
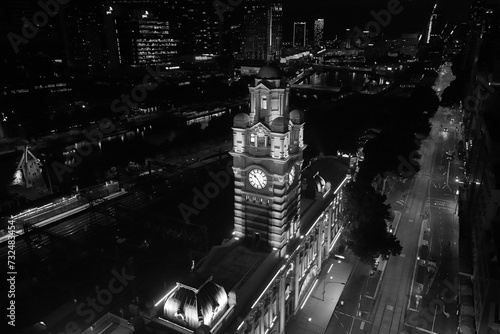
(365,215)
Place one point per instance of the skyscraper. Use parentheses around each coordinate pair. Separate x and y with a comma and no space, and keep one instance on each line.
(262,29)
(319,26)
(198,29)
(299,34)
(82,28)
(275,29)
(138,37)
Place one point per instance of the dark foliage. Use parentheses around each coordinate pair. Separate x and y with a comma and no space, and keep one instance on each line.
(454,93)
(364,217)
(386,152)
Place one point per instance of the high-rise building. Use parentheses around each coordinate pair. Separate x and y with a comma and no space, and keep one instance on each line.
(262,29)
(82,26)
(139,37)
(255,25)
(275,30)
(198,28)
(299,34)
(319,27)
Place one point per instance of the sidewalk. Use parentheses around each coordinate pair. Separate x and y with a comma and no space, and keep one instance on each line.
(317,311)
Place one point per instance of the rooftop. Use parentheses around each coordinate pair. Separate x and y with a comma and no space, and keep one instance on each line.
(231,263)
(269,72)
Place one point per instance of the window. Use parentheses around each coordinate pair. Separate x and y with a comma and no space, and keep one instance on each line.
(263,102)
(275,104)
(261,141)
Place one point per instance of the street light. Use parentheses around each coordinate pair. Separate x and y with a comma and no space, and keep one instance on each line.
(329,282)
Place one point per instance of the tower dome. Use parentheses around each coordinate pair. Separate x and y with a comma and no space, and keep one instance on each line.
(297,116)
(279,124)
(191,307)
(269,72)
(241,120)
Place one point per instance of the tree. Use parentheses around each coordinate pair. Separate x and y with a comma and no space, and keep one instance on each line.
(364,217)
(385,153)
(423,99)
(454,93)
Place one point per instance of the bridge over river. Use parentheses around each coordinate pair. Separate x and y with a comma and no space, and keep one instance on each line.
(333,78)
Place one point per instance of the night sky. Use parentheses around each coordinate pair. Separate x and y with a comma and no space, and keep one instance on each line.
(342,14)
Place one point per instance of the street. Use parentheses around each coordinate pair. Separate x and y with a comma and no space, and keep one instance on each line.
(437,309)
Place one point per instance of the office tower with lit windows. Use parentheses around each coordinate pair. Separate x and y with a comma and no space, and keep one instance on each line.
(299,34)
(275,30)
(319,27)
(82,28)
(255,30)
(198,28)
(262,29)
(139,37)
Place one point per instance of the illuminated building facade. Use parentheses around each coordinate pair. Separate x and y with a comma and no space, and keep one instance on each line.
(138,37)
(255,30)
(199,30)
(194,307)
(275,30)
(319,27)
(299,34)
(267,194)
(154,47)
(286,225)
(262,29)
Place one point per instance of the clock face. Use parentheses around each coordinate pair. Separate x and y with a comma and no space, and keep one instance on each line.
(291,176)
(257,178)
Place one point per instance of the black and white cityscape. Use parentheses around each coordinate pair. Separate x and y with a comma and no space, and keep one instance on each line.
(250,166)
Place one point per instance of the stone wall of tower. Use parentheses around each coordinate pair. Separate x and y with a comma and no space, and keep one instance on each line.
(268,102)
(267,140)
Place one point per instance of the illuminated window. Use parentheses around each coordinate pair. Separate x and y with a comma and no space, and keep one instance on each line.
(263,102)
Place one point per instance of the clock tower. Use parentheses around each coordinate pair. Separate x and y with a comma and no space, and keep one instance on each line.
(267,158)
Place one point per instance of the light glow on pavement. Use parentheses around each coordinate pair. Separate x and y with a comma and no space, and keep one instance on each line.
(309,294)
